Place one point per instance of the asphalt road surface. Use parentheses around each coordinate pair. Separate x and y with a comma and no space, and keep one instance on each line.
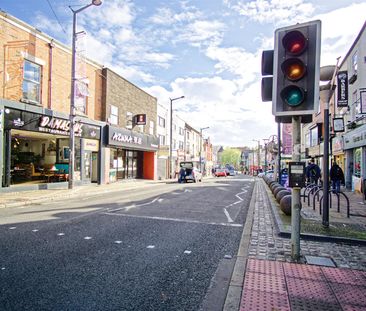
(165,247)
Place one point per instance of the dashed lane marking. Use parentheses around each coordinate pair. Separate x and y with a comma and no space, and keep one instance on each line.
(61,234)
(35,230)
(150,246)
(88,238)
(187,252)
(118,242)
(12,228)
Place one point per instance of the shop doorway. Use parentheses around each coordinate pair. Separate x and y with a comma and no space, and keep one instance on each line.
(94,167)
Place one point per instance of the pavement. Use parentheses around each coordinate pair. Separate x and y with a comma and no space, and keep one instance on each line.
(330,275)
(266,278)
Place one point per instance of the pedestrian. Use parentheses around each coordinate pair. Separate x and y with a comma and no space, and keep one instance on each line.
(312,172)
(337,177)
(181,175)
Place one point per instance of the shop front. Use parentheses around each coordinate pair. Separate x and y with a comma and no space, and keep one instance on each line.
(131,155)
(36,149)
(355,158)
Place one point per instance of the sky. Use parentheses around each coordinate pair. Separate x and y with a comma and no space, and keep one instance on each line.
(207,50)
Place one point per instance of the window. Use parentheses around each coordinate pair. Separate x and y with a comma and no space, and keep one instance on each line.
(354,62)
(113,118)
(31,82)
(129,120)
(151,128)
(181,144)
(161,140)
(314,136)
(161,122)
(188,135)
(181,131)
(357,162)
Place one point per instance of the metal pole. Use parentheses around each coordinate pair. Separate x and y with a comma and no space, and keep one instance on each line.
(258,155)
(201,150)
(72,106)
(279,150)
(325,220)
(265,158)
(295,200)
(171,141)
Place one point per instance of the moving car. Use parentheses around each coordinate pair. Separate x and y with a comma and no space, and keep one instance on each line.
(220,172)
(189,173)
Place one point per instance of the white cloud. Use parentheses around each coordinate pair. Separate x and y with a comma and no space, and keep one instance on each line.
(273,11)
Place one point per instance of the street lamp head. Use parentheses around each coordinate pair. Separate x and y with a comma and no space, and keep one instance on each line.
(96,2)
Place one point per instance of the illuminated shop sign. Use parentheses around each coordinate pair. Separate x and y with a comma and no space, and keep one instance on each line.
(126,138)
(58,126)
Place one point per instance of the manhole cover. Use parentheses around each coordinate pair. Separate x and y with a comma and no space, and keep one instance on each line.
(320,261)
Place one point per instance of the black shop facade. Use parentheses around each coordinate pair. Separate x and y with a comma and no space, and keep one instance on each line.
(36,148)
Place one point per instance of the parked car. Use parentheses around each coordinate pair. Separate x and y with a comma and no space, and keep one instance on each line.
(232,172)
(189,173)
(220,172)
(268,173)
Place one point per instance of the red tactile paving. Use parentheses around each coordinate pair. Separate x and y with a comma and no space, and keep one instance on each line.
(265,282)
(344,276)
(303,271)
(271,285)
(254,300)
(265,266)
(350,294)
(309,289)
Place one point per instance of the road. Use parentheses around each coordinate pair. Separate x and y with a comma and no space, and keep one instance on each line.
(165,247)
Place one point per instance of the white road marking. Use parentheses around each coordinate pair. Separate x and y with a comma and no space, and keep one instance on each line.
(176,219)
(12,228)
(187,190)
(228,215)
(118,242)
(2,268)
(150,246)
(187,252)
(60,234)
(160,200)
(88,238)
(35,230)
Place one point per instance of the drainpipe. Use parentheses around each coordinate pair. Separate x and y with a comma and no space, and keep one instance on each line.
(49,99)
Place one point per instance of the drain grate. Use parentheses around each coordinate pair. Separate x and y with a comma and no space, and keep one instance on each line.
(320,261)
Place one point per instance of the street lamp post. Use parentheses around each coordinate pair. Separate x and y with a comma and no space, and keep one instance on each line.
(171,136)
(72,94)
(258,154)
(201,129)
(265,141)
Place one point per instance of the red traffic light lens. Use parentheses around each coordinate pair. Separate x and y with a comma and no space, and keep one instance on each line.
(293,95)
(294,42)
(294,69)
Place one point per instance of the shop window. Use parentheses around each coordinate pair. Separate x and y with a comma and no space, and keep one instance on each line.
(113,117)
(357,163)
(31,82)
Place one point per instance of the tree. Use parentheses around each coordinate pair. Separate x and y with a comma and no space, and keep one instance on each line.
(231,156)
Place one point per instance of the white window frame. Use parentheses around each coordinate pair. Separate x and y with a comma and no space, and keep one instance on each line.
(113,117)
(29,80)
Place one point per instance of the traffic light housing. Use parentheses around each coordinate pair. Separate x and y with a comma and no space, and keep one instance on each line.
(296,66)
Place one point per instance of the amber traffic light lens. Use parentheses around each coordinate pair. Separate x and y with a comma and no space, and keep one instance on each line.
(294,69)
(294,42)
(293,95)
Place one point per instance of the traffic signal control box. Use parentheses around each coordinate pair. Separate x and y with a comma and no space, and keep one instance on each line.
(296,67)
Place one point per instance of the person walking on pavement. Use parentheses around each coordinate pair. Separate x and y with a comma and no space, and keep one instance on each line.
(337,177)
(312,172)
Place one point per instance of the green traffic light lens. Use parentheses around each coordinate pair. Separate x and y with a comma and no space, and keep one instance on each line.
(294,42)
(293,95)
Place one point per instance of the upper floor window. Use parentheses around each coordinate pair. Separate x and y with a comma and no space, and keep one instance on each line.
(113,117)
(354,62)
(161,122)
(129,121)
(151,128)
(161,140)
(181,131)
(31,82)
(187,135)
(314,136)
(181,145)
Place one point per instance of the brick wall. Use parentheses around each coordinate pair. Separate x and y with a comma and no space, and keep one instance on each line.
(128,98)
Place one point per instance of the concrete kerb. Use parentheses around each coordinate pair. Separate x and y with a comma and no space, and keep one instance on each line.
(40,196)
(233,297)
(282,232)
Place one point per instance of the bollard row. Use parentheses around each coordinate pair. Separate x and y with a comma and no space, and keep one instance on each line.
(282,194)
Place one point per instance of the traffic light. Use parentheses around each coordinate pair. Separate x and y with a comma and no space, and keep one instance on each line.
(296,66)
